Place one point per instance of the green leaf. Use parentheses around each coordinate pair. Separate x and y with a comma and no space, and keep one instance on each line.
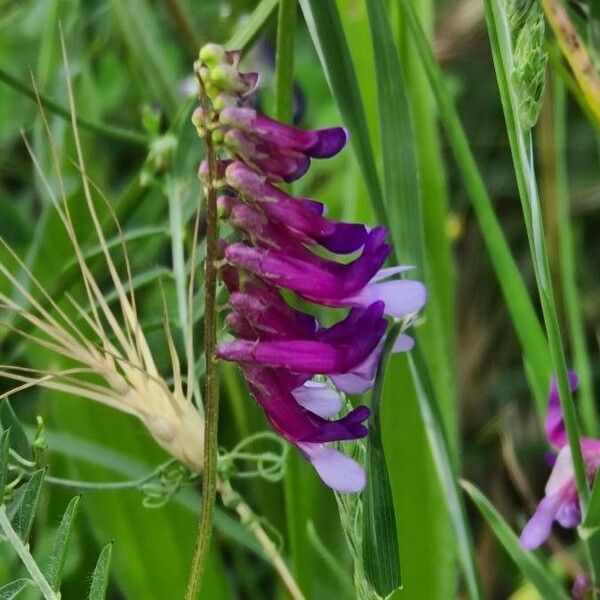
(19,441)
(101,574)
(381,556)
(401,185)
(61,542)
(26,515)
(14,588)
(244,37)
(4,448)
(591,522)
(531,568)
(323,21)
(440,451)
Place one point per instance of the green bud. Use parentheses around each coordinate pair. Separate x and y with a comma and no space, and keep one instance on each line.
(212,55)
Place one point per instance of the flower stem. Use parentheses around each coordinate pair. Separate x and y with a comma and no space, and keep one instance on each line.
(211,390)
(25,556)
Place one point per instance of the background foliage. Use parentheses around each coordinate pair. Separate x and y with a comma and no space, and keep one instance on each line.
(130,64)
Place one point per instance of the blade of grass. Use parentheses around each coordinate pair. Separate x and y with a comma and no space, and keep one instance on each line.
(568,265)
(531,568)
(325,28)
(244,37)
(440,450)
(525,320)
(381,555)
(117,133)
(521,148)
(401,192)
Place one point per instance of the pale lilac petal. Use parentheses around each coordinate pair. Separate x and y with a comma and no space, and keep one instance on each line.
(562,473)
(569,513)
(351,383)
(337,470)
(402,297)
(319,398)
(538,529)
(403,343)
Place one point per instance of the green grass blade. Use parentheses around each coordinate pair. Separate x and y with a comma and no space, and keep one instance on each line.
(401,191)
(61,543)
(26,515)
(19,441)
(525,320)
(521,148)
(14,588)
(101,575)
(530,567)
(323,21)
(4,448)
(380,552)
(440,450)
(591,522)
(568,265)
(245,36)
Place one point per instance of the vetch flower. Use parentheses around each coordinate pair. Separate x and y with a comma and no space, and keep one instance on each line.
(295,368)
(561,501)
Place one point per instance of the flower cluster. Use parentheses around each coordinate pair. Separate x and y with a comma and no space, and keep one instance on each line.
(561,502)
(294,367)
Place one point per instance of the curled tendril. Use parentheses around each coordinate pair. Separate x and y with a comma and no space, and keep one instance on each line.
(268,464)
(165,483)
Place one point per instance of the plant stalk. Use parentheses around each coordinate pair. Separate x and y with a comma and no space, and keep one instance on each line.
(25,556)
(211,390)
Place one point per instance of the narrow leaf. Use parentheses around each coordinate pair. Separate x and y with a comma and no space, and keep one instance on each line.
(401,186)
(19,441)
(244,37)
(101,574)
(323,21)
(381,556)
(440,451)
(14,588)
(591,523)
(4,448)
(26,515)
(530,567)
(61,542)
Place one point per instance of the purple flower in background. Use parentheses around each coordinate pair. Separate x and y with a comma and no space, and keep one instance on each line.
(296,369)
(561,502)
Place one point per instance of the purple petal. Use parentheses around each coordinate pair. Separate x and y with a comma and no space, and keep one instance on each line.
(403,343)
(539,527)
(319,398)
(389,271)
(554,425)
(329,142)
(569,513)
(337,470)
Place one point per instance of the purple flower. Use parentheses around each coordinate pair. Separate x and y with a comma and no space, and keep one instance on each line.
(279,348)
(561,502)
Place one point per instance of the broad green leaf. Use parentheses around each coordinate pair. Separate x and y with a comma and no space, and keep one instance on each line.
(245,36)
(381,556)
(19,442)
(530,566)
(101,574)
(400,174)
(440,451)
(26,515)
(14,588)
(54,570)
(4,448)
(325,27)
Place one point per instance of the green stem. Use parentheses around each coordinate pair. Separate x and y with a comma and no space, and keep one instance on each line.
(25,556)
(581,357)
(118,133)
(515,293)
(521,147)
(179,16)
(211,390)
(284,67)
